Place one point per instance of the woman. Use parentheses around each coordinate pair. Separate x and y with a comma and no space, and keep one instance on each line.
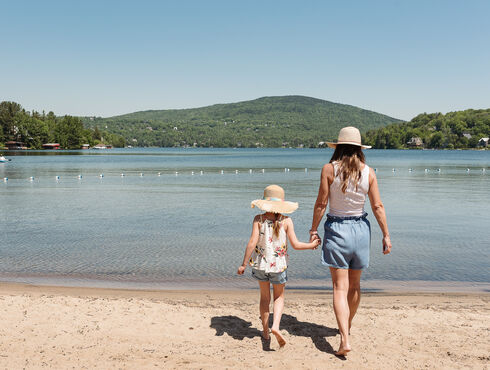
(345,182)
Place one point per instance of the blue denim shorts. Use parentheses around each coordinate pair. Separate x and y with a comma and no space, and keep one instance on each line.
(273,277)
(346,242)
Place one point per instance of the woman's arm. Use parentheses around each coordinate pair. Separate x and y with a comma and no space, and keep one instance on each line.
(379,210)
(295,243)
(322,198)
(252,243)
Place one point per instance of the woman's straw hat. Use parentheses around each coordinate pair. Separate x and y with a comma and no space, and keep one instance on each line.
(349,135)
(273,201)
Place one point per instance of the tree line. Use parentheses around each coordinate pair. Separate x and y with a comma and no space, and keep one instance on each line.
(454,130)
(35,129)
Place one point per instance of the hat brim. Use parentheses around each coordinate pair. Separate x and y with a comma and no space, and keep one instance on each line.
(334,145)
(282,206)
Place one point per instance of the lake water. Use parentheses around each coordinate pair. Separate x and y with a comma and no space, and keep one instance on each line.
(190,230)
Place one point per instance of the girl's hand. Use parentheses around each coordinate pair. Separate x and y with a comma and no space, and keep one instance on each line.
(241,270)
(315,243)
(386,244)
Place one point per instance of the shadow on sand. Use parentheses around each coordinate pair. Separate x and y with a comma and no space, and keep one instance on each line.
(238,328)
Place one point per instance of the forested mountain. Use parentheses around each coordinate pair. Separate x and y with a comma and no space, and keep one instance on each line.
(454,130)
(34,129)
(268,122)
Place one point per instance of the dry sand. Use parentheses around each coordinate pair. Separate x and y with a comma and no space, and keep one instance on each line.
(56,327)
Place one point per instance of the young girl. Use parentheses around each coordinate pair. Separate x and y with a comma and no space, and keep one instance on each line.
(267,253)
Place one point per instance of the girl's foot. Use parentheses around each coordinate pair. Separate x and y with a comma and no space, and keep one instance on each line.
(265,335)
(279,337)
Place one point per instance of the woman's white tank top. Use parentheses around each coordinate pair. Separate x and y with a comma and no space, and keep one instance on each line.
(350,203)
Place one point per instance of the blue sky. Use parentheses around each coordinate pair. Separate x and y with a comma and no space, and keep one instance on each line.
(105,58)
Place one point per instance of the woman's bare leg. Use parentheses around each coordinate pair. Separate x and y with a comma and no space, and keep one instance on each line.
(340,281)
(265,301)
(278,308)
(354,294)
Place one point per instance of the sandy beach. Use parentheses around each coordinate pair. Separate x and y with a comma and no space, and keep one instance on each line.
(57,327)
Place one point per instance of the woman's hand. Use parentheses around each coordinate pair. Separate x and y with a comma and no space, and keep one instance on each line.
(314,235)
(241,270)
(386,244)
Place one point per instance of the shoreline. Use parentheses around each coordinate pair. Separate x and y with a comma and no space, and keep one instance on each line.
(61,327)
(244,284)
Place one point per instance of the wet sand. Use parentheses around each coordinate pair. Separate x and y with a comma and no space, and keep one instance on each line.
(58,327)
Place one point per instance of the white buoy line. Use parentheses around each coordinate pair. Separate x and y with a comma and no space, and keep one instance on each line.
(250,172)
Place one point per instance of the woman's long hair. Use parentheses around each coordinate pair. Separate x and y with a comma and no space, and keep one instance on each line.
(350,158)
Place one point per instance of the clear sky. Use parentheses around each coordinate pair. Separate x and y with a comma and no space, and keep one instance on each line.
(105,58)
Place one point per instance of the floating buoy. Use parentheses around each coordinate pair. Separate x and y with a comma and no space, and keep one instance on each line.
(57,178)
(250,171)
(306,170)
(375,170)
(236,172)
(31,178)
(393,170)
(285,170)
(122,174)
(79,177)
(426,170)
(222,172)
(159,174)
(263,170)
(438,170)
(5,179)
(176,173)
(201,173)
(482,170)
(101,175)
(141,174)
(467,170)
(192,173)
(410,170)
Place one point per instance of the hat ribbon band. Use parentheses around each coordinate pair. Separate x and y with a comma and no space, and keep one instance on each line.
(273,199)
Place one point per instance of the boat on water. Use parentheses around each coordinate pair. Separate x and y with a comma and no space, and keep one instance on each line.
(3,159)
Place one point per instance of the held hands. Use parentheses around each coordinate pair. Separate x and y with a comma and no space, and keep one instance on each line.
(315,240)
(386,244)
(241,270)
(315,243)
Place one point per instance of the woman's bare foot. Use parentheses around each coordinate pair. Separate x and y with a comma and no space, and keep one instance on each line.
(343,351)
(279,337)
(344,348)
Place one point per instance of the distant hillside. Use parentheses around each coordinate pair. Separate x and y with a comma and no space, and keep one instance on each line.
(454,130)
(268,122)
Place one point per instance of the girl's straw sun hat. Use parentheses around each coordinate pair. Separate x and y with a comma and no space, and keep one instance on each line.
(273,201)
(349,135)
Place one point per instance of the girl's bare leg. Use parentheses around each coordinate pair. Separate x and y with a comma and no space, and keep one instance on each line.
(354,294)
(340,281)
(278,308)
(265,301)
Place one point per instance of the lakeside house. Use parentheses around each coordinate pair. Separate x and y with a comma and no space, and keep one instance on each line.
(85,146)
(14,145)
(415,142)
(483,142)
(52,146)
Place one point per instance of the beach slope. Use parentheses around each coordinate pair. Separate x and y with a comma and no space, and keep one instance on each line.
(56,327)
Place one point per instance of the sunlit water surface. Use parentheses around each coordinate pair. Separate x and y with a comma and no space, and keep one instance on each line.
(190,229)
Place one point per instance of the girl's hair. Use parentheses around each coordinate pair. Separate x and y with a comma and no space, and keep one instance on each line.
(350,158)
(277,225)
